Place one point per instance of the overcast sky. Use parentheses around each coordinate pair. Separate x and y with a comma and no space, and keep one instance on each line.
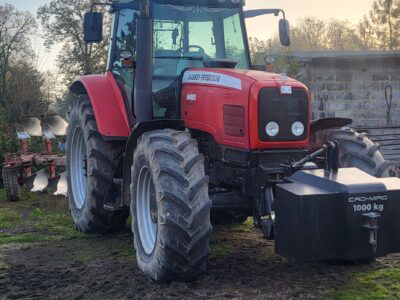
(261,27)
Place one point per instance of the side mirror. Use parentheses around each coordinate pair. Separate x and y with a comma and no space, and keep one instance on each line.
(93,27)
(284,32)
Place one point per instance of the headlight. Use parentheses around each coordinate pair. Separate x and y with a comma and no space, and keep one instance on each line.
(297,128)
(272,128)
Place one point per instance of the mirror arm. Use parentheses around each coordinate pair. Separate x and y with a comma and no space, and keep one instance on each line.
(260,12)
(98,4)
(116,6)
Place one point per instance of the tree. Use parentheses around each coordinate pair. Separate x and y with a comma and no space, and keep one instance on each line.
(309,34)
(383,23)
(21,84)
(312,34)
(25,90)
(63,23)
(343,36)
(15,30)
(365,33)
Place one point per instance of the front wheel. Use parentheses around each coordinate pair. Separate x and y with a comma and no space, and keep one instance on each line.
(170,206)
(357,150)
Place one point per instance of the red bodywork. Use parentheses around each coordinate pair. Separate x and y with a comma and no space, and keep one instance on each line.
(206,113)
(108,104)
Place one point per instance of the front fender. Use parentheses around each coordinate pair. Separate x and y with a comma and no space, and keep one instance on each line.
(328,123)
(318,129)
(108,104)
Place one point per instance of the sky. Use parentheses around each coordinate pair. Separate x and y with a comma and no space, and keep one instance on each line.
(261,27)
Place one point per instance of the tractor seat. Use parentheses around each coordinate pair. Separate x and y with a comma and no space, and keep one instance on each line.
(186,63)
(165,66)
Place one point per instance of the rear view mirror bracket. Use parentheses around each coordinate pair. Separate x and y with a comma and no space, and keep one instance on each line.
(284,31)
(93,21)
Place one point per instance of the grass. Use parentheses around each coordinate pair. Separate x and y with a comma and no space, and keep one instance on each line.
(121,246)
(37,218)
(378,284)
(220,246)
(2,194)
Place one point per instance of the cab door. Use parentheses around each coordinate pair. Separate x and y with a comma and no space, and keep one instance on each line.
(123,52)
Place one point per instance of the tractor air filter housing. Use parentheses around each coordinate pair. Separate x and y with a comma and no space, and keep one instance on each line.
(348,215)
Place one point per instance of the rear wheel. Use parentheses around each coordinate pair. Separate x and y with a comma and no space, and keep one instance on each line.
(11,185)
(170,206)
(91,163)
(357,150)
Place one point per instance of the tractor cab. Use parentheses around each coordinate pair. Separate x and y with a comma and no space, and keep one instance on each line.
(177,35)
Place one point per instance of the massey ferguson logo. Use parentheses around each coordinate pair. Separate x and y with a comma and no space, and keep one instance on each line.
(368,198)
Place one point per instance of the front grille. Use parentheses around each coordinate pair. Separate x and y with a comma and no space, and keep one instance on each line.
(284,110)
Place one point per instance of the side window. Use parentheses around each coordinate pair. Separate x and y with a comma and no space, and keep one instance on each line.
(125,38)
(234,45)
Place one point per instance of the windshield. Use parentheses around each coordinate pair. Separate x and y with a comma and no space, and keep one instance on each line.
(184,36)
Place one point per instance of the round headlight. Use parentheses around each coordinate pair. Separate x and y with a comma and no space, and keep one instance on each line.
(272,128)
(297,128)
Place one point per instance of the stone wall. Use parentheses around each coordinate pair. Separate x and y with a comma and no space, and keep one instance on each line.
(354,88)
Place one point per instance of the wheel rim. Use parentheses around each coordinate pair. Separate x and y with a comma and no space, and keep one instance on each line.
(78,167)
(146,210)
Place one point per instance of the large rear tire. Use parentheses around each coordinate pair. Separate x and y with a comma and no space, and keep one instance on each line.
(91,164)
(11,185)
(170,206)
(357,150)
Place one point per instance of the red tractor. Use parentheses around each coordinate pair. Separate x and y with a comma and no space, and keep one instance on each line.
(180,132)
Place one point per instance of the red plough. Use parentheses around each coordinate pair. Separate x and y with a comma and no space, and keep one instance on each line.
(18,167)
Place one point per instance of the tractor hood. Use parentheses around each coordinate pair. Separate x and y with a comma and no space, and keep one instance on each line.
(234,78)
(235,106)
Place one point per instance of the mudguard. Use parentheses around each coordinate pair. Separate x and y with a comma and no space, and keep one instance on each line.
(328,123)
(107,102)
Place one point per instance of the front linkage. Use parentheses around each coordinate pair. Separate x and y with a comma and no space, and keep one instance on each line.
(264,216)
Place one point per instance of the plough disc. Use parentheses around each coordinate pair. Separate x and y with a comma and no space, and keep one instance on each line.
(41,181)
(62,186)
(55,124)
(32,126)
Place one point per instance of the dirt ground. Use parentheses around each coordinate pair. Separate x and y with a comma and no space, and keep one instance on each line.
(43,257)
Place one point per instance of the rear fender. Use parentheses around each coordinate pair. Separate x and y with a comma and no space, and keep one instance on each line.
(108,104)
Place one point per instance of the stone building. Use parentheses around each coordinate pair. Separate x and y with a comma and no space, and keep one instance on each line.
(352,85)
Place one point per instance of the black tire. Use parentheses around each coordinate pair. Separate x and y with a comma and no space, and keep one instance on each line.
(183,226)
(102,158)
(357,150)
(228,217)
(11,185)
